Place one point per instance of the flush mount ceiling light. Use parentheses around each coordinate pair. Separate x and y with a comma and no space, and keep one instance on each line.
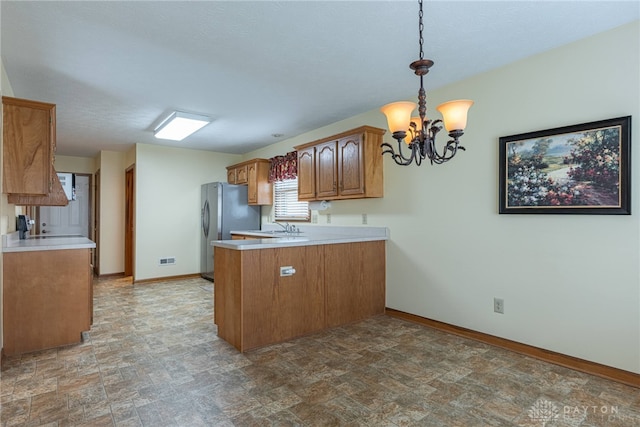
(419,133)
(180,125)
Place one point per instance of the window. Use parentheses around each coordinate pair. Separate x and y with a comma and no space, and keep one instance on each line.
(286,204)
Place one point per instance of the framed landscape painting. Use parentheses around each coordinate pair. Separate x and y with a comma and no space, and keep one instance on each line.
(579,169)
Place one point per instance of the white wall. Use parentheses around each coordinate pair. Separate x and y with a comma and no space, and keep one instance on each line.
(167,203)
(571,283)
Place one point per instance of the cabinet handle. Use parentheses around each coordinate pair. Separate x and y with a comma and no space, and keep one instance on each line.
(287,271)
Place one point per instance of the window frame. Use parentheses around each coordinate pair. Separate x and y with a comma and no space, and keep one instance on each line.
(286,191)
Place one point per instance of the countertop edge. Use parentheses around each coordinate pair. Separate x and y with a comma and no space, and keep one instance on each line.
(11,243)
(48,248)
(285,242)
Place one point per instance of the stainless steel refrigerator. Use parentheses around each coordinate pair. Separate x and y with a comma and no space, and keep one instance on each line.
(224,208)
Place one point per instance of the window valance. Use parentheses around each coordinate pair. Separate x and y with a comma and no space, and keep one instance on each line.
(284,167)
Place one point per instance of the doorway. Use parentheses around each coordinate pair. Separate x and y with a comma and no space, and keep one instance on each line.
(73,219)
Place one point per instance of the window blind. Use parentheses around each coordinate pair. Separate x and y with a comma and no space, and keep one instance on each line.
(286,204)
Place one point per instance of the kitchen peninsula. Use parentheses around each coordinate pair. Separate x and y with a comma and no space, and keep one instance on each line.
(48,296)
(273,286)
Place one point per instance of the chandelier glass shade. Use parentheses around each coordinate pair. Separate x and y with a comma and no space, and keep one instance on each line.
(416,135)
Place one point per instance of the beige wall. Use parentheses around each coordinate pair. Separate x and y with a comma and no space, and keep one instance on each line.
(570,283)
(73,164)
(167,203)
(111,165)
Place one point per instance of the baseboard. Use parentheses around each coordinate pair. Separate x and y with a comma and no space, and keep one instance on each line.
(165,279)
(604,371)
(106,276)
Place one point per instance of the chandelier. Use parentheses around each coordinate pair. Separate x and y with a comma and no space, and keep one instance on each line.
(419,133)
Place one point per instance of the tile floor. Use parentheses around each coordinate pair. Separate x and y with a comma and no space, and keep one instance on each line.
(153,358)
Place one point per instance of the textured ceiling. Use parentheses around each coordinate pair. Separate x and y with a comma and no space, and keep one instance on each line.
(114,69)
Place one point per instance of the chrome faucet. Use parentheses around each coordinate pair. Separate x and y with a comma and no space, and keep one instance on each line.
(286,227)
(289,228)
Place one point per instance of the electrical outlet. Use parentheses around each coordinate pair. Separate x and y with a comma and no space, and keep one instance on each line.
(314,218)
(364,219)
(498,305)
(328,218)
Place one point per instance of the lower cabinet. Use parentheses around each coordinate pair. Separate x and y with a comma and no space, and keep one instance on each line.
(354,276)
(47,299)
(255,305)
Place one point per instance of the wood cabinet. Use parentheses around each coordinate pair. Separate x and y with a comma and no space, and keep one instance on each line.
(237,174)
(29,144)
(46,310)
(231,175)
(344,166)
(332,285)
(354,277)
(255,174)
(326,170)
(306,173)
(260,189)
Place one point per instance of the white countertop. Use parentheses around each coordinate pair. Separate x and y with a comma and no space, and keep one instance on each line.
(12,243)
(318,235)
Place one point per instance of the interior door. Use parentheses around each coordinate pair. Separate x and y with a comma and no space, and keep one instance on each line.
(72,219)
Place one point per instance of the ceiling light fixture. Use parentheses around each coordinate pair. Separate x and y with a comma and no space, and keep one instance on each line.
(419,133)
(180,125)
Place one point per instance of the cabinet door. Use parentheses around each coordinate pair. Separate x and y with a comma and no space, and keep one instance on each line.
(231,176)
(241,174)
(351,166)
(326,171)
(260,189)
(306,174)
(252,181)
(355,281)
(28,144)
(45,310)
(277,308)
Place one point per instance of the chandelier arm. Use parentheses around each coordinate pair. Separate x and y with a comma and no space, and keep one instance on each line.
(398,157)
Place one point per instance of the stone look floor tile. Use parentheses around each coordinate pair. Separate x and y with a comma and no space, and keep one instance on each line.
(152,358)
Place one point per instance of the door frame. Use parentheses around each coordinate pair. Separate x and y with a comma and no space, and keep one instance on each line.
(129,222)
(96,225)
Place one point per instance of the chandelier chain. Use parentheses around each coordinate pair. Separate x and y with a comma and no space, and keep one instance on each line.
(420,29)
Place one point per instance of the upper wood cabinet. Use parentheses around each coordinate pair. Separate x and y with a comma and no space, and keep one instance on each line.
(29,144)
(255,174)
(343,166)
(231,175)
(306,173)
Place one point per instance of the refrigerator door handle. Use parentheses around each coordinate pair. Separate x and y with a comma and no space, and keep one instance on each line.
(206,219)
